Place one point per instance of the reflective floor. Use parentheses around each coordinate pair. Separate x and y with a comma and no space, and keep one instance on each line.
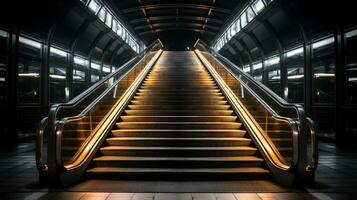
(336,179)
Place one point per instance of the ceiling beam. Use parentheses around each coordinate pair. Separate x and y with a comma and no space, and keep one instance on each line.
(178,24)
(175,29)
(184,17)
(175,6)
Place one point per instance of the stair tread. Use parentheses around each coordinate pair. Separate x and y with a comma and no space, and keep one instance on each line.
(178,170)
(152,158)
(179,123)
(182,138)
(178,130)
(241,148)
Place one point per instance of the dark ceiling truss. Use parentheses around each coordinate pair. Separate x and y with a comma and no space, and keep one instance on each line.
(179,17)
(176,6)
(177,28)
(155,26)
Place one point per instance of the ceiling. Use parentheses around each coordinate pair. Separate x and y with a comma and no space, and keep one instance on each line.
(173,20)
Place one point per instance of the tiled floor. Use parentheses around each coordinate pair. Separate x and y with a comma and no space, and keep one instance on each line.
(336,178)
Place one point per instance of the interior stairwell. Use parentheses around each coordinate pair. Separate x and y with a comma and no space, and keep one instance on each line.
(178,125)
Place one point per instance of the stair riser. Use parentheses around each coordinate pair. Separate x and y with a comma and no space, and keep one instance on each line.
(179,164)
(187,98)
(180,108)
(176,103)
(178,134)
(190,88)
(178,153)
(178,176)
(178,126)
(178,119)
(176,143)
(177,112)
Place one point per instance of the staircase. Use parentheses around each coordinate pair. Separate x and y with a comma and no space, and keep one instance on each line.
(178,125)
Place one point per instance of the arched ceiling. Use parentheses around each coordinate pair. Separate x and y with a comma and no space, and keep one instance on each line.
(168,19)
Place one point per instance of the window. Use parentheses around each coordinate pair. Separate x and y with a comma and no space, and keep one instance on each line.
(323,65)
(102,13)
(246,68)
(94,78)
(29,68)
(106,69)
(250,14)
(243,20)
(29,47)
(272,67)
(294,62)
(94,6)
(258,6)
(351,65)
(257,70)
(95,66)
(3,64)
(237,26)
(80,67)
(109,19)
(58,70)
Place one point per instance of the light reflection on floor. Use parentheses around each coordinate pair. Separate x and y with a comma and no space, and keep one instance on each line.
(336,179)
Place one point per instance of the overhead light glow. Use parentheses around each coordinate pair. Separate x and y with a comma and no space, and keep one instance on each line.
(257,66)
(272,61)
(295,52)
(351,33)
(95,66)
(58,52)
(80,61)
(29,42)
(29,75)
(296,76)
(317,75)
(54,76)
(323,43)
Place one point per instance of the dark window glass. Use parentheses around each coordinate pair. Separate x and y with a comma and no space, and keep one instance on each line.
(58,72)
(29,67)
(323,66)
(28,81)
(351,66)
(3,64)
(294,62)
(272,67)
(80,75)
(257,71)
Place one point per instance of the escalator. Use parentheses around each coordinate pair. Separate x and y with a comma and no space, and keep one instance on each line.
(178,123)
(177,115)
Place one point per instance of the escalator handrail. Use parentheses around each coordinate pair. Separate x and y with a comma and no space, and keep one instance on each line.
(293,123)
(63,121)
(312,164)
(40,164)
(302,122)
(276,98)
(75,101)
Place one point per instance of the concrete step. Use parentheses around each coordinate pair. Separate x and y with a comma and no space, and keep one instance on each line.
(177,133)
(177,151)
(178,162)
(179,112)
(178,125)
(195,108)
(178,173)
(179,142)
(194,118)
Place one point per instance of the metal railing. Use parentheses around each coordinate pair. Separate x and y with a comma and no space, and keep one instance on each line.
(74,128)
(281,128)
